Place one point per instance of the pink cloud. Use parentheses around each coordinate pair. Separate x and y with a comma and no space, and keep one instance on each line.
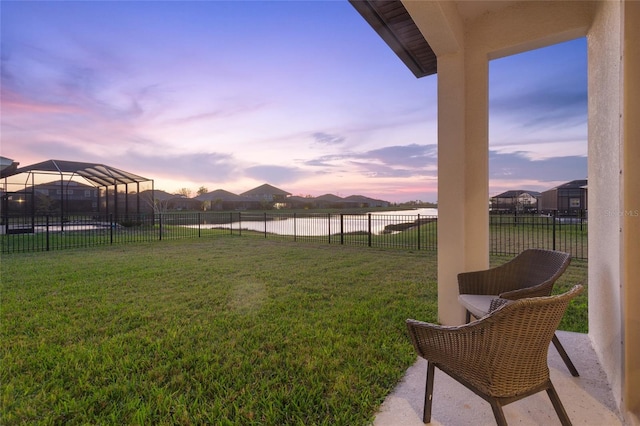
(14,103)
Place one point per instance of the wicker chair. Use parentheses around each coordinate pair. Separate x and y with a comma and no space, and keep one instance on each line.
(502,357)
(530,274)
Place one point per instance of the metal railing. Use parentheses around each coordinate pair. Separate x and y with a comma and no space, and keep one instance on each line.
(509,234)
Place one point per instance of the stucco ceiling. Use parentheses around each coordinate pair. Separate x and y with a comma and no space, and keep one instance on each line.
(471,9)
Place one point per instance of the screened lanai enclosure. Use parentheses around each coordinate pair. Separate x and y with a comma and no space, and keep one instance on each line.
(61,192)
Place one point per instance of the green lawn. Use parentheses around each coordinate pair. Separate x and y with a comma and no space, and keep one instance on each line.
(225,331)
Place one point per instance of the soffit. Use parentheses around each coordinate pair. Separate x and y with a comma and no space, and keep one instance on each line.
(392,22)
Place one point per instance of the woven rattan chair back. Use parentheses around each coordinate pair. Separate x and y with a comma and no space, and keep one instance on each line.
(530,274)
(531,268)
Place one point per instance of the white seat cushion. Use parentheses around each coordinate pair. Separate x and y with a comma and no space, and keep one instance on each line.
(477,304)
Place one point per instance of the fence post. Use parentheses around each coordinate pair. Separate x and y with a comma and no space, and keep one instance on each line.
(199,222)
(111,228)
(419,226)
(47,232)
(329,223)
(265,224)
(555,214)
(295,236)
(341,228)
(160,227)
(369,227)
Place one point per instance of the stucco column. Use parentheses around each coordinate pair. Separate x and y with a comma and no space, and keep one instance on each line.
(631,210)
(605,224)
(451,186)
(462,176)
(463,185)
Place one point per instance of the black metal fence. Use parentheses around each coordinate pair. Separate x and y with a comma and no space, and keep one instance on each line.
(509,234)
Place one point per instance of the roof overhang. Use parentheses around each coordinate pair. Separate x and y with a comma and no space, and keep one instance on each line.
(392,22)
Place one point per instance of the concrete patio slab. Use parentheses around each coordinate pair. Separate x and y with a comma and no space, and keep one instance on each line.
(587,399)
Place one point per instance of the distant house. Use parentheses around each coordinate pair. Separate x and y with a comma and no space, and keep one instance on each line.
(263,197)
(267,194)
(181,202)
(225,200)
(360,201)
(567,199)
(520,200)
(158,195)
(329,201)
(297,202)
(159,201)
(49,197)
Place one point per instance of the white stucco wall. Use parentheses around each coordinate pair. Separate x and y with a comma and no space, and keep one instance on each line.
(463,164)
(614,198)
(604,52)
(452,156)
(631,209)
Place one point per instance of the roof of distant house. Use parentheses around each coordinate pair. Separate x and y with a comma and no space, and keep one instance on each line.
(158,194)
(578,183)
(360,198)
(265,189)
(222,195)
(329,197)
(518,192)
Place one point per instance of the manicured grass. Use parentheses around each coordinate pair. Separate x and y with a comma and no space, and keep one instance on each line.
(222,331)
(229,331)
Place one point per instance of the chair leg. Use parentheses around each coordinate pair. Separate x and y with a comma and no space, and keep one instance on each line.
(557,405)
(564,356)
(498,413)
(468,317)
(428,393)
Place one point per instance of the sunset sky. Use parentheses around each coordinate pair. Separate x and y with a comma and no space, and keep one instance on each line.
(302,95)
